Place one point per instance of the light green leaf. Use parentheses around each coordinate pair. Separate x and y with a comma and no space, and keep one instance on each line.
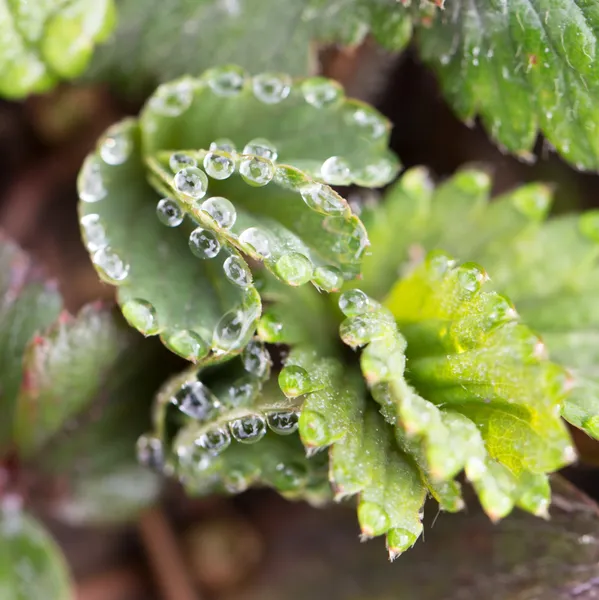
(549,268)
(523,66)
(43,41)
(28,304)
(31,564)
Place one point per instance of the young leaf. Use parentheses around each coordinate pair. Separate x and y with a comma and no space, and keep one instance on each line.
(42,42)
(548,268)
(28,303)
(31,564)
(524,66)
(176,261)
(473,379)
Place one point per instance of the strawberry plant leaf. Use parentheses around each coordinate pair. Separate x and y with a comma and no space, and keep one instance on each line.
(217,203)
(548,267)
(523,67)
(31,564)
(28,303)
(42,42)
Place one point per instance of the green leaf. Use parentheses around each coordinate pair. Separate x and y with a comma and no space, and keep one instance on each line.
(177,261)
(441,433)
(83,403)
(523,66)
(296,316)
(549,268)
(28,304)
(31,564)
(160,41)
(44,41)
(228,427)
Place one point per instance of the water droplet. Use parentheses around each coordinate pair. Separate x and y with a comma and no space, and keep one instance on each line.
(236,482)
(329,279)
(249,429)
(204,243)
(313,429)
(237,271)
(221,210)
(261,147)
(191,182)
(271,88)
(500,309)
(290,178)
(438,263)
(323,199)
(172,99)
(335,171)
(169,213)
(289,477)
(373,519)
(533,201)
(179,160)
(95,234)
(270,329)
(196,401)
(110,264)
(141,314)
(354,302)
(90,184)
(398,541)
(116,147)
(284,422)
(214,441)
(188,344)
(471,277)
(150,452)
(224,145)
(256,240)
(226,81)
(377,173)
(294,268)
(256,359)
(256,171)
(231,329)
(370,120)
(243,391)
(294,381)
(219,166)
(588,224)
(321,92)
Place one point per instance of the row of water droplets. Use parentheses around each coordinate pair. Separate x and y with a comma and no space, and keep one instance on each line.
(114,150)
(175,98)
(197,448)
(256,168)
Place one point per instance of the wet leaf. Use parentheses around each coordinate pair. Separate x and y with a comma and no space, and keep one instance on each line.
(31,564)
(548,267)
(176,259)
(28,303)
(42,42)
(524,67)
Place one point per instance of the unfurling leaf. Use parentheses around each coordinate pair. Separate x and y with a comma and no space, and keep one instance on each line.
(219,169)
